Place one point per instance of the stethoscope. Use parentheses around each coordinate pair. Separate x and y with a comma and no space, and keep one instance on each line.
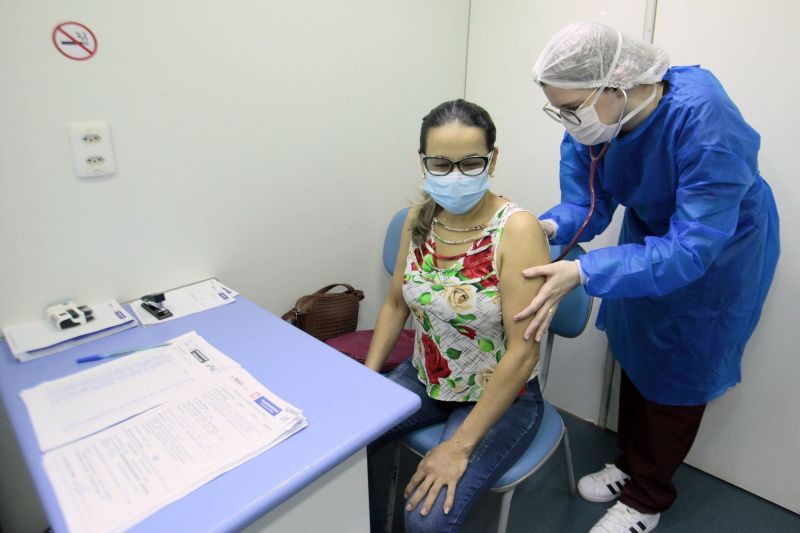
(592,169)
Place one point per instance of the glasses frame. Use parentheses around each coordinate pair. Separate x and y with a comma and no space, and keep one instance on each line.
(566,115)
(487,159)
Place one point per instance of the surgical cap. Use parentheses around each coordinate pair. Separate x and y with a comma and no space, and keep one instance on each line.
(579,57)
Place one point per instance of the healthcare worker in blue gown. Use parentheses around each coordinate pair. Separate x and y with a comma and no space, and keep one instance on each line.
(683,289)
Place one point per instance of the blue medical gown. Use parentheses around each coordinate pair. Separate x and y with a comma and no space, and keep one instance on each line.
(683,290)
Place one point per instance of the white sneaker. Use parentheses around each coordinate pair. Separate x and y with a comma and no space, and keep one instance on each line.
(623,519)
(603,486)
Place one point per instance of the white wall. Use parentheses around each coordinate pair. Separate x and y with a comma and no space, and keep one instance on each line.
(267,143)
(748,437)
(504,41)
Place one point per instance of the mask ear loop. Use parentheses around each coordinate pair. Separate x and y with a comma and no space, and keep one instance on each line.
(619,124)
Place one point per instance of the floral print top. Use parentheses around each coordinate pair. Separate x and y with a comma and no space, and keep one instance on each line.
(460,336)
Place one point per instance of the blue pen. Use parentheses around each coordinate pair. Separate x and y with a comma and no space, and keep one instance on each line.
(100,357)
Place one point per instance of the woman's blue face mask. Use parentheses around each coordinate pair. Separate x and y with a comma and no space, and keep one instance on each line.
(457,192)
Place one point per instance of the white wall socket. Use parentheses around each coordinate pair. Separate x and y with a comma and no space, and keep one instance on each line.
(92,149)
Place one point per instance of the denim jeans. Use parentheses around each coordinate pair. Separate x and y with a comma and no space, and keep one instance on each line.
(500,448)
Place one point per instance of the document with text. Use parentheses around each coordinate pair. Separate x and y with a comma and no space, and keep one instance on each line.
(76,406)
(113,479)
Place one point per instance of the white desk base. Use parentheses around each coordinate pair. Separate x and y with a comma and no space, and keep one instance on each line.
(336,502)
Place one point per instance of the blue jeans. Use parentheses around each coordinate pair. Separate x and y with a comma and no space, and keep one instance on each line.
(499,449)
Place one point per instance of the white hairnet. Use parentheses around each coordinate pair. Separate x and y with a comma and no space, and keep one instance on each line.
(580,55)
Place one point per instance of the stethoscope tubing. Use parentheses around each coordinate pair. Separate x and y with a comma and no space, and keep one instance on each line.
(592,169)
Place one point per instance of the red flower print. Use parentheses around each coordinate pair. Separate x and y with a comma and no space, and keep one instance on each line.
(477,266)
(435,365)
(490,282)
(467,332)
(483,242)
(417,263)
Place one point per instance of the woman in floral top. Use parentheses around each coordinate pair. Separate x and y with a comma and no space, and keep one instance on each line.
(471,366)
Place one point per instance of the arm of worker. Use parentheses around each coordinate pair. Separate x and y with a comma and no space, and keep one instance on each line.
(522,244)
(712,184)
(568,216)
(394,312)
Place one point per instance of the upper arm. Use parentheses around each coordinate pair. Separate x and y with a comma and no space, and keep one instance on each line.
(522,245)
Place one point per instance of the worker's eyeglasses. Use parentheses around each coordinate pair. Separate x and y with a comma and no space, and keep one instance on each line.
(566,115)
(473,165)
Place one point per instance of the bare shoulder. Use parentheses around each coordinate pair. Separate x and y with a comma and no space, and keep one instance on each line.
(523,243)
(523,226)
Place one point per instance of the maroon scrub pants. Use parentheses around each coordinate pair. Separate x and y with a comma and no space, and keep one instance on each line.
(654,440)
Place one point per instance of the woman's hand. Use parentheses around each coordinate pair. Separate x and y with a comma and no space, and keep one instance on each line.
(561,278)
(443,465)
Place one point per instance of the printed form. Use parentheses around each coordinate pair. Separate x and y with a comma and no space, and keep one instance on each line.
(75,406)
(128,437)
(115,478)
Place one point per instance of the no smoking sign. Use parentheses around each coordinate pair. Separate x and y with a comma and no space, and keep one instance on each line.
(74,40)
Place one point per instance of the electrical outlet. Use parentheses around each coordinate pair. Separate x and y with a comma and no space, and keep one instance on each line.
(92,150)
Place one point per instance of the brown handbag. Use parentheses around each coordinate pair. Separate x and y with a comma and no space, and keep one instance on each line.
(326,315)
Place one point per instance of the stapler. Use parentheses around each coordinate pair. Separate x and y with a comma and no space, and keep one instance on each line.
(154,304)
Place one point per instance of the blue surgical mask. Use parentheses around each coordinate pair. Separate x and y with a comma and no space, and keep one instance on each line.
(457,193)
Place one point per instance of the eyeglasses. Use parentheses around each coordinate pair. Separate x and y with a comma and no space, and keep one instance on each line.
(566,115)
(473,165)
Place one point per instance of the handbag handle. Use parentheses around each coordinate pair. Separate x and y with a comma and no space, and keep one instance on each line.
(350,290)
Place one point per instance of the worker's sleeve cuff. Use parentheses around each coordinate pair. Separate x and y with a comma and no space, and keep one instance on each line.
(553,228)
(584,277)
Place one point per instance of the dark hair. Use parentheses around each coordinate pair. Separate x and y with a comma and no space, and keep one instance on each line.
(455,111)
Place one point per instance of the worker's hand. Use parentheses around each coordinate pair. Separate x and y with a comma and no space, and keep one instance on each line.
(442,466)
(561,277)
(548,227)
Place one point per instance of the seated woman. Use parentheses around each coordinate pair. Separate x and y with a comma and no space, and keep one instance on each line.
(461,249)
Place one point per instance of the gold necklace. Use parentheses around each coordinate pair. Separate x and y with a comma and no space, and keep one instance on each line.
(445,226)
(463,241)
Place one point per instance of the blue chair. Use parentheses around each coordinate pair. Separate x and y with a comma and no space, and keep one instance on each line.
(569,321)
(391,242)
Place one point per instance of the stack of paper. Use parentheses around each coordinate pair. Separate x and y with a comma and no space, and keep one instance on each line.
(37,339)
(188,300)
(199,415)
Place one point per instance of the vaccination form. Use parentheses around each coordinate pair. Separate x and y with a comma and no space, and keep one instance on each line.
(115,478)
(75,406)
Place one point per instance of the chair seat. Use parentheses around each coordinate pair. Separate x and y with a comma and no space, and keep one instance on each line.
(356,346)
(546,441)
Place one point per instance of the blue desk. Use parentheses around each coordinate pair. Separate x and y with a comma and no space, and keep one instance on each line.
(347,406)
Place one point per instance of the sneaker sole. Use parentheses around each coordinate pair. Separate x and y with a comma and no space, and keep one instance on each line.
(597,500)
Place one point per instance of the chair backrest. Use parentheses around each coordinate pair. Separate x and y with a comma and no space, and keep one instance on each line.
(571,316)
(391,242)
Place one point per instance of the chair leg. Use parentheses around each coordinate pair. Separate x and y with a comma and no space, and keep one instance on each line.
(391,499)
(505,507)
(568,461)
